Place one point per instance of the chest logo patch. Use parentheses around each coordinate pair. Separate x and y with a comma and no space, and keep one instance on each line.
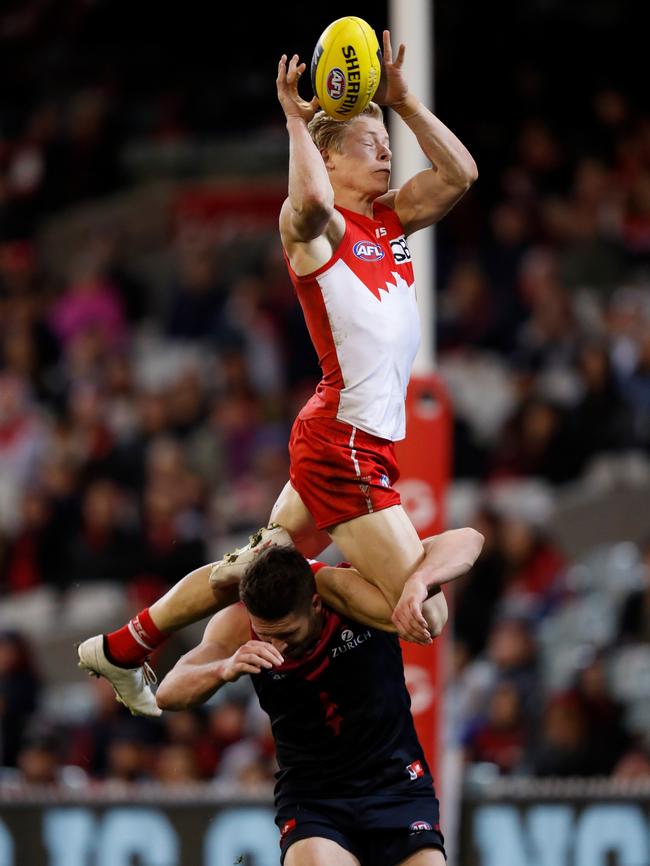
(415,770)
(400,250)
(368,251)
(349,641)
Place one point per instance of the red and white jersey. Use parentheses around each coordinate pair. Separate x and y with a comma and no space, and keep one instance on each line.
(362,315)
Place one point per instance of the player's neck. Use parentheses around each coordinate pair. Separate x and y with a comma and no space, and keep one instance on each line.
(355,201)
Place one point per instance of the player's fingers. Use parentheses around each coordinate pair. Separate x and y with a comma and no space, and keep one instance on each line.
(271,653)
(416,613)
(255,657)
(405,629)
(400,55)
(388,51)
(293,64)
(245,668)
(418,625)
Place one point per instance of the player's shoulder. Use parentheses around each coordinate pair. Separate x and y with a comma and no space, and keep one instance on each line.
(228,625)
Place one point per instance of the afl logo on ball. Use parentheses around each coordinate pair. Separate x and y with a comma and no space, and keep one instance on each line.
(367,251)
(335,83)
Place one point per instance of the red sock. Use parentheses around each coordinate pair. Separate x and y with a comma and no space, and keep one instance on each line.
(130,645)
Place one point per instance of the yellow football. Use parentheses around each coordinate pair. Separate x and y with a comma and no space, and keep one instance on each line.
(346,67)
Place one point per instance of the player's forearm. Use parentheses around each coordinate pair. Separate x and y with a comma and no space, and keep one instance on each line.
(309,185)
(188,685)
(447,154)
(449,556)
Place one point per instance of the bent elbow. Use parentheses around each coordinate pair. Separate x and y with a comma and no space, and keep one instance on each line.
(471,175)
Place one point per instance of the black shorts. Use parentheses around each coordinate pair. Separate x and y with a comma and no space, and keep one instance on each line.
(380,830)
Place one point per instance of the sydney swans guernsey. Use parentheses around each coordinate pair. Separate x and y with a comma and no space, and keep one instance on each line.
(361,312)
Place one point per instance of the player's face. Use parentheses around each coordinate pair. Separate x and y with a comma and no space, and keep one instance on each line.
(293,635)
(364,160)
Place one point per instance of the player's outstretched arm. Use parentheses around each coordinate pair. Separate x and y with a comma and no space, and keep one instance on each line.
(224,655)
(310,205)
(426,197)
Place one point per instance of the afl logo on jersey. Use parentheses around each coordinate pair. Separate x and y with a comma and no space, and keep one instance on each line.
(367,251)
(419,826)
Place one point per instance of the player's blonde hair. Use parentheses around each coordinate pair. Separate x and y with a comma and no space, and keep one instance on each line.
(328,134)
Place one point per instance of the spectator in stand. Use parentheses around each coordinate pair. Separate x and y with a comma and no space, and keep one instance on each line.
(600,421)
(39,761)
(176,765)
(635,388)
(226,726)
(500,737)
(23,444)
(510,657)
(468,315)
(85,433)
(19,694)
(477,595)
(532,564)
(535,442)
(607,739)
(102,549)
(634,620)
(92,303)
(197,292)
(89,744)
(35,555)
(130,754)
(563,748)
(188,729)
(167,546)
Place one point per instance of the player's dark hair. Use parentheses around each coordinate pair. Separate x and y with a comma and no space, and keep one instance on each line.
(279,582)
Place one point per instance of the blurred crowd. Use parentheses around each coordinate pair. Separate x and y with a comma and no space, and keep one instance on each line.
(140,433)
(228,742)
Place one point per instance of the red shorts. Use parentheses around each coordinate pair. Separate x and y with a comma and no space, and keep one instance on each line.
(341,472)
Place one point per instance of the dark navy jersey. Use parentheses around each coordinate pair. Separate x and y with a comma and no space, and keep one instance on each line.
(341,716)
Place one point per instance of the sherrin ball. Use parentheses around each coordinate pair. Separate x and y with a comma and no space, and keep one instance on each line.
(346,67)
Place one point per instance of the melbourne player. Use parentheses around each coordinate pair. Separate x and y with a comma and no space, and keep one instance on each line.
(345,237)
(353,785)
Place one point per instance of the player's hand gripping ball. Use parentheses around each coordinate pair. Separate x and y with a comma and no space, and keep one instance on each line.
(346,67)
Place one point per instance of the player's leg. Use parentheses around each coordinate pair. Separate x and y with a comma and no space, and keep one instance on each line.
(292,514)
(319,852)
(121,655)
(383,546)
(385,549)
(425,857)
(197,595)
